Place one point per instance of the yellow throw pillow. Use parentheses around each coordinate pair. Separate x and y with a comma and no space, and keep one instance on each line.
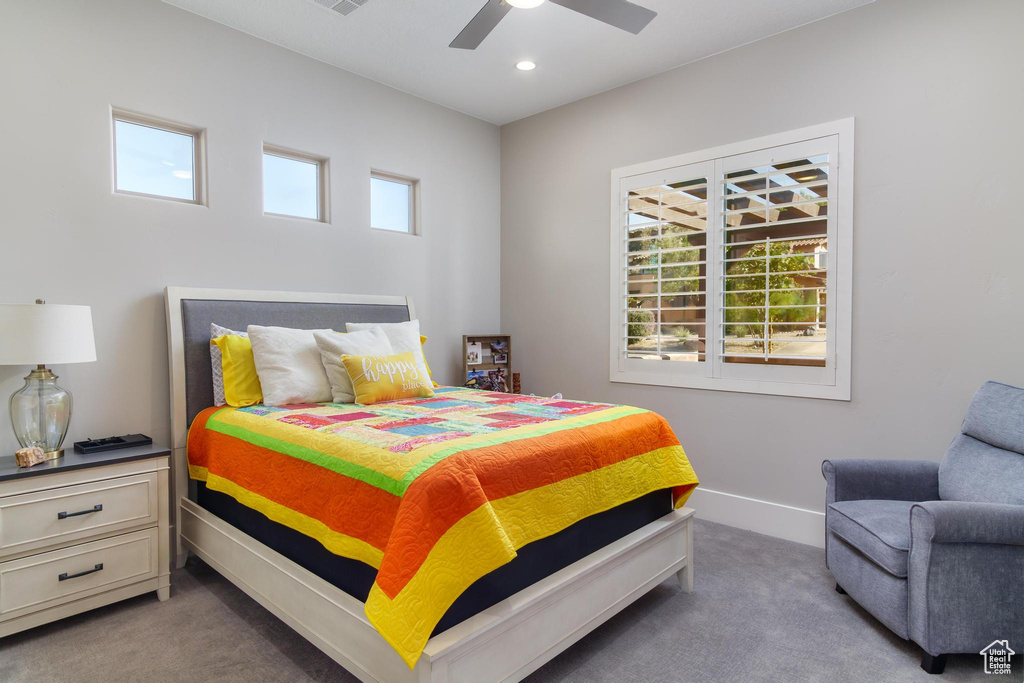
(241,383)
(386,378)
(423,340)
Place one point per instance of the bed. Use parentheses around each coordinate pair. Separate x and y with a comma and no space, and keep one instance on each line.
(534,561)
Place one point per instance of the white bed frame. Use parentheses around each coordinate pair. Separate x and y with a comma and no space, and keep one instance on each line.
(506,642)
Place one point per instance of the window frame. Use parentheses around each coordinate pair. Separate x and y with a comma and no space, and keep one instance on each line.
(198,136)
(414,201)
(323,185)
(831,382)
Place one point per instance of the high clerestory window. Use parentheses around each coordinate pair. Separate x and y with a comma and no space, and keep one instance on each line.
(157,158)
(295,184)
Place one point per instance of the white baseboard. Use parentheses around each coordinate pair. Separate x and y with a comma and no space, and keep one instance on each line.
(762,516)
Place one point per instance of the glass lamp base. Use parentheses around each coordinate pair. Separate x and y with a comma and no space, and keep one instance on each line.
(41,412)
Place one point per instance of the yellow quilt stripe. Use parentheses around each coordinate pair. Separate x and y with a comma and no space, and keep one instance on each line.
(338,543)
(488,537)
(198,472)
(541,512)
(478,544)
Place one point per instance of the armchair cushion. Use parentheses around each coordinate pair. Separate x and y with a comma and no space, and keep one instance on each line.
(879,529)
(996,416)
(860,479)
(976,471)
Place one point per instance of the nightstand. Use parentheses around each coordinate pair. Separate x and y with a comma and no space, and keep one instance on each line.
(81,532)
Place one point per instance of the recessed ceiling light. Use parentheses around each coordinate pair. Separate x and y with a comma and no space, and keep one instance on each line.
(181,174)
(524,4)
(526,65)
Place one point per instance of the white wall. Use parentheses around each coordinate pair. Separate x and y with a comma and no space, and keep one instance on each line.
(935,86)
(65,237)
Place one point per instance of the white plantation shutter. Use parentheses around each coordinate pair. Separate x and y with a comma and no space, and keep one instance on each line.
(773,262)
(665,260)
(727,269)
(662,258)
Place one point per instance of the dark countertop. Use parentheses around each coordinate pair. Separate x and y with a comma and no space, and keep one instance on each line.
(76,461)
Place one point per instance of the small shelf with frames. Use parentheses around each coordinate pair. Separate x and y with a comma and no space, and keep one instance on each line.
(487,349)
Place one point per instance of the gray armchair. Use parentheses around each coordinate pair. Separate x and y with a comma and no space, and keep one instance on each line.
(935,551)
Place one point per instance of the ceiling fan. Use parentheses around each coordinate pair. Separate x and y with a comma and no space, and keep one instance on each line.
(617,13)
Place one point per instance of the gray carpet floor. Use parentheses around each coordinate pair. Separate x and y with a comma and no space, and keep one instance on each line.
(762,609)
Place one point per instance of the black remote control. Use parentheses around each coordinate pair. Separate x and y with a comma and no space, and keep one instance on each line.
(112,442)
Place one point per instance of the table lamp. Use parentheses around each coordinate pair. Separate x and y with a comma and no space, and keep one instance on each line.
(35,334)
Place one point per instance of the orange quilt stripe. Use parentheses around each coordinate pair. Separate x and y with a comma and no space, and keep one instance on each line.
(514,467)
(344,504)
(461,483)
(197,452)
(681,494)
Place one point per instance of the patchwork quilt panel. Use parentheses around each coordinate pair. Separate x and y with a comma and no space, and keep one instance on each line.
(434,492)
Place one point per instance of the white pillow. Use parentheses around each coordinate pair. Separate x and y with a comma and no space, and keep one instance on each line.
(289,366)
(403,337)
(216,362)
(333,345)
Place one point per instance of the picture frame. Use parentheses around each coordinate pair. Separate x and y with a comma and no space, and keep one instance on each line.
(498,380)
(474,353)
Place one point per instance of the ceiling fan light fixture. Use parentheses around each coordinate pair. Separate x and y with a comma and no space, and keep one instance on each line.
(621,14)
(526,65)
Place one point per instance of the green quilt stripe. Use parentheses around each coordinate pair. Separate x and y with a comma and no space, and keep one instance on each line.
(343,467)
(517,434)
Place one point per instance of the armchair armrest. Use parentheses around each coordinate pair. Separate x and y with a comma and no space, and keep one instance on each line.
(858,479)
(955,521)
(966,561)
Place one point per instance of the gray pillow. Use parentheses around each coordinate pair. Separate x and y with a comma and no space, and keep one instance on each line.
(215,362)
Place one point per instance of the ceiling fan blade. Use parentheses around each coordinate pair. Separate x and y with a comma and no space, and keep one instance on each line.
(481,25)
(617,13)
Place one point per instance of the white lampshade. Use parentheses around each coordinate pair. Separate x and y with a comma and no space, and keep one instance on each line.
(45,334)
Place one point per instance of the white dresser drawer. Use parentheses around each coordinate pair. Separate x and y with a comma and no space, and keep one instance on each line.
(49,579)
(59,516)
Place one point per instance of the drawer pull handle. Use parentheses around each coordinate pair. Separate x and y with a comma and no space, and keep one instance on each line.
(65,576)
(95,508)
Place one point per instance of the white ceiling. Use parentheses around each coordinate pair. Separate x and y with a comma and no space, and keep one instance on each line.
(404,44)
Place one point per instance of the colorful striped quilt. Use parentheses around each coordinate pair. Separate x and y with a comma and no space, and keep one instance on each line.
(436,492)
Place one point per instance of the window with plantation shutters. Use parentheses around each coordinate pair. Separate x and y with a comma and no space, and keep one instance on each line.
(731,268)
(666,270)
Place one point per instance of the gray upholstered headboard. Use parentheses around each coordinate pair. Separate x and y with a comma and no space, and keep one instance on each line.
(197,314)
(189,314)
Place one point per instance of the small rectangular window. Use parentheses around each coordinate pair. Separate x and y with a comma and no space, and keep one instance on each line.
(155,158)
(294,184)
(393,202)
